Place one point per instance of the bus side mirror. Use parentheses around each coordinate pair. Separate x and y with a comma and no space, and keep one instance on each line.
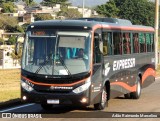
(19,41)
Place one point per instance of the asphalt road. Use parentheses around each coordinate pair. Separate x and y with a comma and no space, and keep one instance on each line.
(148,102)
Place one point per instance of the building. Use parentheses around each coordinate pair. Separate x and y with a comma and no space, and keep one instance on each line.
(6,60)
(87,12)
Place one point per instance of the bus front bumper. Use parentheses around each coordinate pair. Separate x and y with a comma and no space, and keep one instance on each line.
(56,98)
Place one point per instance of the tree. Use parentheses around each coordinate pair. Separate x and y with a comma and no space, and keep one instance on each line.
(51,3)
(29,2)
(109,9)
(8,7)
(9,24)
(43,17)
(7,21)
(70,13)
(12,40)
(1,41)
(5,1)
(17,57)
(137,11)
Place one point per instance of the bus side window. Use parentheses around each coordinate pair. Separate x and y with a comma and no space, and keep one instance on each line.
(126,43)
(148,42)
(117,42)
(107,43)
(152,42)
(135,43)
(142,41)
(96,53)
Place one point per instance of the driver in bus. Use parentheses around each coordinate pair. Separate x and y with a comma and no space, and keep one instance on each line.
(81,54)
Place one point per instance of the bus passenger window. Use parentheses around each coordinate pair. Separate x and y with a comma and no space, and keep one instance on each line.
(152,42)
(107,43)
(96,53)
(117,42)
(148,42)
(142,41)
(126,43)
(135,43)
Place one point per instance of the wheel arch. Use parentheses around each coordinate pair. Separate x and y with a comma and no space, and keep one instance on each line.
(107,85)
(140,76)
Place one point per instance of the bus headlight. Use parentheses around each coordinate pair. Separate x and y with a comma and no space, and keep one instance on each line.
(26,86)
(83,87)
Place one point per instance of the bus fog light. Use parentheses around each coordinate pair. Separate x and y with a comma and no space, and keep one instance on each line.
(84,100)
(24,98)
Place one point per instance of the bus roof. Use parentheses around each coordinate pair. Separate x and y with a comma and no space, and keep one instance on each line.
(112,24)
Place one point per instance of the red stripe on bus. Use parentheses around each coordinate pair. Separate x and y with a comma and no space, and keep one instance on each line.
(44,84)
(126,28)
(148,72)
(126,86)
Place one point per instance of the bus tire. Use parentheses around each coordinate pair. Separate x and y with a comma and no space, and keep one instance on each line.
(137,93)
(46,106)
(127,96)
(103,102)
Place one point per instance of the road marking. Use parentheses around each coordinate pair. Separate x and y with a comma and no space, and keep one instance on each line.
(17,107)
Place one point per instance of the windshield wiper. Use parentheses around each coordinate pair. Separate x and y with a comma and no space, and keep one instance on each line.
(46,62)
(64,65)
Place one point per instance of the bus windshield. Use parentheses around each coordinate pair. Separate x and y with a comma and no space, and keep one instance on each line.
(50,52)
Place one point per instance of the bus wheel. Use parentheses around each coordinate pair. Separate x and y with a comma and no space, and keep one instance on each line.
(103,102)
(127,96)
(46,106)
(137,93)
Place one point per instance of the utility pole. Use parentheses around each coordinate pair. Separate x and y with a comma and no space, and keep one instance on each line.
(156,31)
(83,8)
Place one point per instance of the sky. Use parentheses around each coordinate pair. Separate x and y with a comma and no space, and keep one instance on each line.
(88,3)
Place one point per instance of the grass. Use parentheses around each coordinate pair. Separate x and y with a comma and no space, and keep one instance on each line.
(9,84)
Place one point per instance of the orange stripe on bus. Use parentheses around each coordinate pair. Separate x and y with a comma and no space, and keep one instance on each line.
(44,84)
(148,72)
(126,86)
(126,28)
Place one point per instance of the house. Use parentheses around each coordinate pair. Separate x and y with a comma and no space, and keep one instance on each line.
(87,12)
(6,60)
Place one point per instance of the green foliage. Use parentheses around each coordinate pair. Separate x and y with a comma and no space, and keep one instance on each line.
(12,40)
(14,56)
(13,29)
(70,13)
(109,9)
(7,21)
(9,24)
(8,7)
(137,11)
(39,17)
(24,26)
(1,41)
(51,3)
(29,2)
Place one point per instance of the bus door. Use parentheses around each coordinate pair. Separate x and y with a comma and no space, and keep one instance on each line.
(97,69)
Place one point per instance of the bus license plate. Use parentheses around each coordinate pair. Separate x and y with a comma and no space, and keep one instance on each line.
(52,101)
